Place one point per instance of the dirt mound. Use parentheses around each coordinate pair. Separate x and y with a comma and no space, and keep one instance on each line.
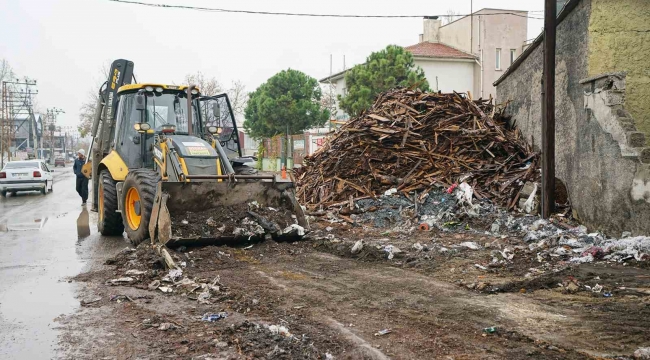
(413,141)
(249,220)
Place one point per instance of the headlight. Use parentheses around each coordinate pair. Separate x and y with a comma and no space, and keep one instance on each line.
(168,128)
(159,89)
(195,92)
(136,126)
(213,129)
(145,126)
(149,88)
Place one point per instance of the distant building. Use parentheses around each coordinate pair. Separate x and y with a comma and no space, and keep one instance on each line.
(468,54)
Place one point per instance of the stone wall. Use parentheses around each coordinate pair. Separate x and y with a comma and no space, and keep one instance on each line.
(620,41)
(597,156)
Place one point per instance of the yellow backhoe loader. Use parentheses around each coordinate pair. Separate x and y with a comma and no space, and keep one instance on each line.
(166,164)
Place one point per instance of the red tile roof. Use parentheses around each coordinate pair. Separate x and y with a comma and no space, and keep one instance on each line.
(437,50)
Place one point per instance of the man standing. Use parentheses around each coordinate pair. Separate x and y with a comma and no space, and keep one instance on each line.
(82,180)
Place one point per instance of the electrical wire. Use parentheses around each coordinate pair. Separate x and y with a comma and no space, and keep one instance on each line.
(251,12)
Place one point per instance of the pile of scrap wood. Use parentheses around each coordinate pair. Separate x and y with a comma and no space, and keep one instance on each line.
(413,141)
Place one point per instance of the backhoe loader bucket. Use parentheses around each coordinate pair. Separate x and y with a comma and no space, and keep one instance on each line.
(228,212)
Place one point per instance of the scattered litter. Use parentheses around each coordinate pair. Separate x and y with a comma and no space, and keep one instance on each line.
(134,272)
(597,288)
(89,302)
(470,245)
(173,275)
(607,294)
(452,188)
(490,330)
(357,247)
(294,230)
(203,297)
(185,222)
(383,332)
(418,247)
(154,285)
(391,250)
(120,298)
(329,356)
(279,330)
(248,247)
(390,192)
(123,280)
(480,266)
(214,317)
(642,353)
(465,194)
(167,326)
(165,289)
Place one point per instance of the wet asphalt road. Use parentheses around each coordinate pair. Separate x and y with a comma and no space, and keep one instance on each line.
(44,241)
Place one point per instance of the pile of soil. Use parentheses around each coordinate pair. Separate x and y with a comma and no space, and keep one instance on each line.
(249,220)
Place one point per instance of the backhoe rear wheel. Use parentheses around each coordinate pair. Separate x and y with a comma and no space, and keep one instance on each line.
(138,193)
(109,220)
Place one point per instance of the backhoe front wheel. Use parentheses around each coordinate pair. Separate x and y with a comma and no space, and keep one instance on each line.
(138,193)
(109,220)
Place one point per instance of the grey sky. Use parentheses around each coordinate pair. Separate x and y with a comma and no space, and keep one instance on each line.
(63,43)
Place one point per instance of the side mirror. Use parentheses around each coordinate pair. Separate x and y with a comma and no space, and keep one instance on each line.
(139,101)
(216,110)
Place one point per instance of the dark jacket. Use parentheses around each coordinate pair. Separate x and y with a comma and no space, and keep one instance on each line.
(78,164)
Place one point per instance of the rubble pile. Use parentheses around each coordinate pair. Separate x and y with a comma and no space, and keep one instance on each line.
(415,141)
(250,220)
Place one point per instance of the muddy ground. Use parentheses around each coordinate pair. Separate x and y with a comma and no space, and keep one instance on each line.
(316,299)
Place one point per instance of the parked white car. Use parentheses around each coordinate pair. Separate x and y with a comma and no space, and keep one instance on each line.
(26,175)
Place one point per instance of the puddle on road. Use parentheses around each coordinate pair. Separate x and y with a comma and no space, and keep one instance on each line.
(36,224)
(34,295)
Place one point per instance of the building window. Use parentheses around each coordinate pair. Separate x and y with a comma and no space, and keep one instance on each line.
(513,55)
(498,60)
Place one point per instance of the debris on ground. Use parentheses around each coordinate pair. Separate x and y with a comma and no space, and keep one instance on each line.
(246,219)
(279,330)
(412,141)
(214,317)
(383,332)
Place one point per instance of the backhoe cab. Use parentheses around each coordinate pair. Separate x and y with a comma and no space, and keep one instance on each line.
(166,164)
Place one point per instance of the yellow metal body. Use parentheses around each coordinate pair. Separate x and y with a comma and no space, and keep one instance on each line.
(131,209)
(115,166)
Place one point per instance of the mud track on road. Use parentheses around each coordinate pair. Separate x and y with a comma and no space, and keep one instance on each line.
(334,304)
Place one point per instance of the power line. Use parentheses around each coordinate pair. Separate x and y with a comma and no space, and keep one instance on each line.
(251,12)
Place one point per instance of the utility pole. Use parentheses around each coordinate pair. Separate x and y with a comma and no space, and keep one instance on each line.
(548,111)
(51,126)
(16,103)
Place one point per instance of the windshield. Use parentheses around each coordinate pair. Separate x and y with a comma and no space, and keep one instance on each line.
(21,165)
(169,109)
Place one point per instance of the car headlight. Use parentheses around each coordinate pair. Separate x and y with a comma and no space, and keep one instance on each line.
(149,88)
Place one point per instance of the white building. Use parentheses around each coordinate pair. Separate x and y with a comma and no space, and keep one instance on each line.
(468,54)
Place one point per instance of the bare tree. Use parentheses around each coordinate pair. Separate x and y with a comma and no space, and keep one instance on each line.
(87,109)
(238,97)
(208,86)
(328,99)
(451,16)
(6,72)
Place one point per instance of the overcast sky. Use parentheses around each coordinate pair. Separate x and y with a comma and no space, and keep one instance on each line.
(63,43)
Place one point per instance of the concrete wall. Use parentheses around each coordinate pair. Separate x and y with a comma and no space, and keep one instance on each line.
(452,75)
(608,191)
(339,89)
(620,41)
(489,33)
